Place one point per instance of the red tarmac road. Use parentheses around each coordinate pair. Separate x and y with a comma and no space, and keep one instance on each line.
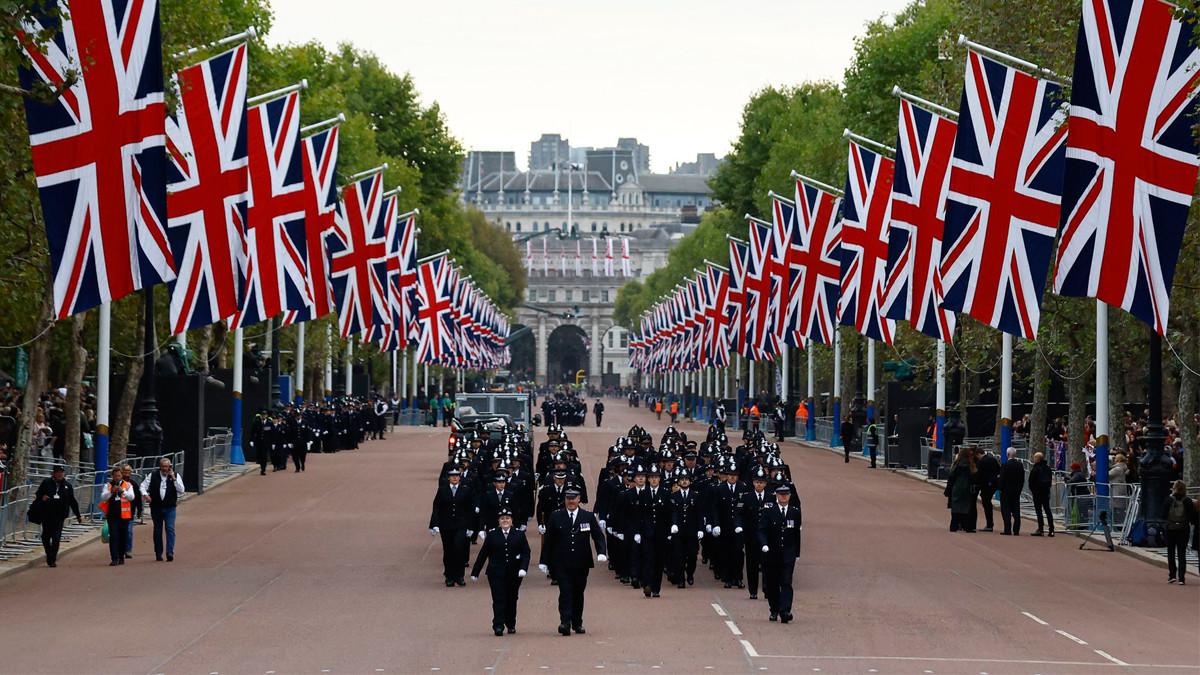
(334,571)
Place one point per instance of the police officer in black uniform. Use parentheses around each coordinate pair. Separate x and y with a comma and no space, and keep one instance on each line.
(506,552)
(567,556)
(779,527)
(455,510)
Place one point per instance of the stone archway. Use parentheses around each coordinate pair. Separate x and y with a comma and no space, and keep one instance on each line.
(568,348)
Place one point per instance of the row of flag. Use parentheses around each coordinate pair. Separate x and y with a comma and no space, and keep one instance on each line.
(230,202)
(568,264)
(962,216)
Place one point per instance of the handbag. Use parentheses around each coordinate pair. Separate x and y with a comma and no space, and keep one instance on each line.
(104,532)
(35,511)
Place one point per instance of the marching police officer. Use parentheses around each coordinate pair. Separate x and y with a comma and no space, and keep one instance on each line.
(689,518)
(506,552)
(455,509)
(567,556)
(779,528)
(756,499)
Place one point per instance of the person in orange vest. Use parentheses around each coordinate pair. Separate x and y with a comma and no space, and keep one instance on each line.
(658,409)
(674,410)
(801,417)
(754,416)
(116,500)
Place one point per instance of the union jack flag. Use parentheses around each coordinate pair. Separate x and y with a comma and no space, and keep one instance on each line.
(1003,201)
(382,332)
(358,257)
(98,149)
(276,248)
(434,291)
(401,281)
(320,217)
(788,253)
(817,213)
(913,292)
(207,189)
(865,215)
(735,305)
(762,297)
(1131,157)
(716,319)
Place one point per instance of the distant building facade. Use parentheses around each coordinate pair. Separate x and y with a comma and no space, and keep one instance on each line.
(548,151)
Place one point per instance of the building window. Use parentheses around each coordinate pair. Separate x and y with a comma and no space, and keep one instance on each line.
(567,295)
(508,226)
(603,295)
(593,227)
(546,226)
(535,226)
(533,295)
(587,295)
(518,226)
(624,340)
(553,295)
(622,227)
(610,340)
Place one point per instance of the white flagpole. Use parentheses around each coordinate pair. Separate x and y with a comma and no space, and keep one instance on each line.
(103,379)
(349,367)
(941,397)
(404,376)
(300,365)
(236,455)
(1006,377)
(810,431)
(1101,479)
(328,362)
(836,436)
(871,378)
(786,390)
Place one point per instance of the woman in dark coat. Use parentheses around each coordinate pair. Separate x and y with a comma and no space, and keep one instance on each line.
(960,491)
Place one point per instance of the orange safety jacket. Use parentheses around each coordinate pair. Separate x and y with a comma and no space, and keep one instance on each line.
(674,407)
(658,406)
(126,506)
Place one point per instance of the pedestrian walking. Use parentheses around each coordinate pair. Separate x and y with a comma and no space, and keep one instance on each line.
(505,550)
(988,481)
(455,509)
(116,500)
(1181,514)
(779,529)
(56,500)
(872,440)
(960,491)
(567,557)
(848,436)
(127,475)
(1040,480)
(598,410)
(1011,482)
(162,490)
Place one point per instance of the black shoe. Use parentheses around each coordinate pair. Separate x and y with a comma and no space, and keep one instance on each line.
(1051,533)
(564,629)
(170,558)
(115,563)
(624,580)
(784,618)
(1182,582)
(728,585)
(1036,534)
(754,596)
(988,529)
(449,583)
(1171,580)
(128,554)
(635,583)
(681,585)
(579,629)
(121,561)
(158,558)
(654,595)
(741,584)
(51,564)
(774,616)
(1006,534)
(646,591)
(461,581)
(511,630)
(691,580)
(263,472)
(498,631)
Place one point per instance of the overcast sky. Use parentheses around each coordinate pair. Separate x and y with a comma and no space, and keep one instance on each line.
(673,73)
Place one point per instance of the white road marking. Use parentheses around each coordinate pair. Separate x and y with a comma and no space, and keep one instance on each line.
(963,659)
(1069,636)
(1035,618)
(1110,657)
(733,628)
(750,650)
(718,610)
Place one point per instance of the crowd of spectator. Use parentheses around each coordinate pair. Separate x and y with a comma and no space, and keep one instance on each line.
(50,423)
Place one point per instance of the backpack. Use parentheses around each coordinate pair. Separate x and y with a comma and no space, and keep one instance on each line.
(1177,516)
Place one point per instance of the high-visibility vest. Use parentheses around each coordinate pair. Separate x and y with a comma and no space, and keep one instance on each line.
(754,410)
(674,407)
(126,507)
(658,406)
(802,412)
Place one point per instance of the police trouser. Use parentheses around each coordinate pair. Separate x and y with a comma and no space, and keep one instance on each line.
(52,527)
(299,454)
(654,558)
(777,583)
(729,548)
(619,554)
(571,585)
(1010,511)
(753,564)
(686,549)
(637,557)
(454,553)
(505,590)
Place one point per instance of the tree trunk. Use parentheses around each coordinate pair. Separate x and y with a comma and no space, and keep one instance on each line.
(75,389)
(1116,403)
(39,370)
(1077,411)
(1041,394)
(1189,389)
(124,414)
(200,364)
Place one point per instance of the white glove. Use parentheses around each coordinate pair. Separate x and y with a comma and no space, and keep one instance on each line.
(476,509)
(716,531)
(521,573)
(766,548)
(637,538)
(708,528)
(474,578)
(435,531)
(620,536)
(482,535)
(609,530)
(737,530)
(545,570)
(674,529)
(541,529)
(700,535)
(522,528)
(602,524)
(470,533)
(601,558)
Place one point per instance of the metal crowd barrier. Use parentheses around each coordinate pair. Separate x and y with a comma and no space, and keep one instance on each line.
(824,427)
(18,536)
(214,459)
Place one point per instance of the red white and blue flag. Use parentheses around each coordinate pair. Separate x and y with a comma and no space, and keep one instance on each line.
(865,215)
(716,319)
(1131,156)
(208,189)
(924,148)
(382,332)
(788,251)
(320,218)
(818,216)
(358,257)
(435,336)
(735,306)
(401,281)
(1003,204)
(276,246)
(763,291)
(98,149)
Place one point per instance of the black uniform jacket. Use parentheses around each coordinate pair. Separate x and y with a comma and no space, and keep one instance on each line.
(566,545)
(505,556)
(780,532)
